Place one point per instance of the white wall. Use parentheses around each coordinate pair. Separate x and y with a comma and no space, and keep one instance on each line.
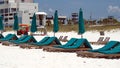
(27,9)
(11,1)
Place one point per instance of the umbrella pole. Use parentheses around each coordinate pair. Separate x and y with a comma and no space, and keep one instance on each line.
(54,34)
(81,36)
(1,31)
(14,32)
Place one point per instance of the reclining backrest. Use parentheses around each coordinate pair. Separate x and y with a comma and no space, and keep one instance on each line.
(71,42)
(79,43)
(112,50)
(26,39)
(108,46)
(7,36)
(49,41)
(44,39)
(82,43)
(22,37)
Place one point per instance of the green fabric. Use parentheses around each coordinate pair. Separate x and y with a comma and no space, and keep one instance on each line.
(49,41)
(55,25)
(108,46)
(115,50)
(81,28)
(19,39)
(69,43)
(79,43)
(26,40)
(16,24)
(1,23)
(6,37)
(33,24)
(9,38)
(41,41)
(1,36)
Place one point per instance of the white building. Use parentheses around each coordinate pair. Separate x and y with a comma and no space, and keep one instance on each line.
(24,8)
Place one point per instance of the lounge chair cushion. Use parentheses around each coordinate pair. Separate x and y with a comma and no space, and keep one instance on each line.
(9,37)
(115,50)
(79,43)
(19,39)
(108,46)
(69,43)
(49,41)
(27,39)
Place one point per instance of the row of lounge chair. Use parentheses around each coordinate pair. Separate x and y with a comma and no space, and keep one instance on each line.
(72,45)
(47,41)
(51,44)
(27,41)
(14,40)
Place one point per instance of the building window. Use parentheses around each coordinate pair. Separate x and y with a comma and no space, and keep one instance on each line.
(6,14)
(7,2)
(13,9)
(6,10)
(30,17)
(10,14)
(1,10)
(22,0)
(10,18)
(35,7)
(15,14)
(1,2)
(6,19)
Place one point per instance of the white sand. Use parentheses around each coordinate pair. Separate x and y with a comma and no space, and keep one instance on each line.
(15,57)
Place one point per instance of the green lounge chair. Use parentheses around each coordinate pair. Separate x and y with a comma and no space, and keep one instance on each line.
(9,37)
(29,39)
(108,46)
(115,50)
(111,53)
(69,43)
(50,41)
(7,43)
(79,43)
(19,39)
(30,44)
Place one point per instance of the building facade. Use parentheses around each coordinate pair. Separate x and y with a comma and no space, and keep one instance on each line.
(24,8)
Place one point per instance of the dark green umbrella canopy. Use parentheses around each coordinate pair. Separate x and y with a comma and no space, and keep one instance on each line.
(33,24)
(1,23)
(55,25)
(16,24)
(81,28)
